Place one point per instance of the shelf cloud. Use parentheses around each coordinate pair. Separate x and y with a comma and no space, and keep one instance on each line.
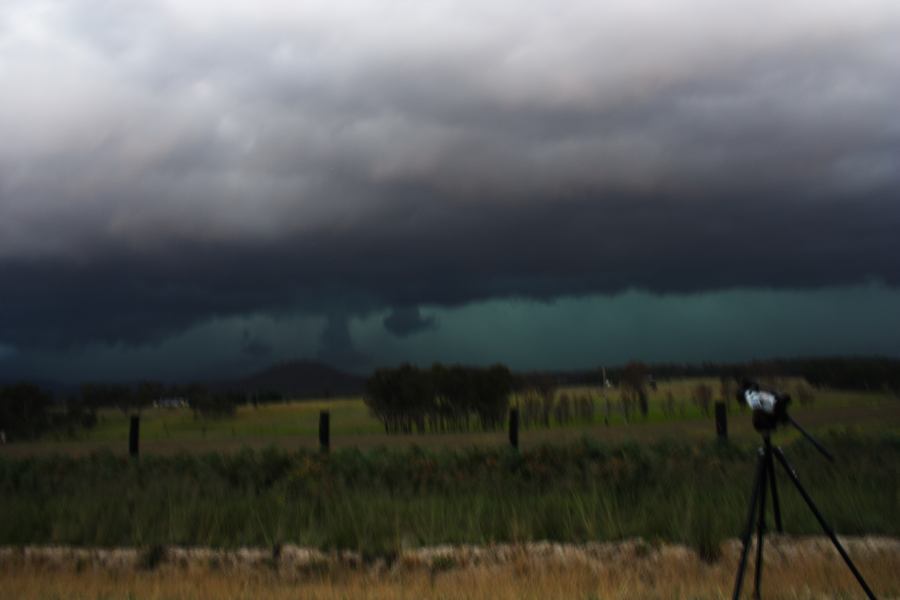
(164,163)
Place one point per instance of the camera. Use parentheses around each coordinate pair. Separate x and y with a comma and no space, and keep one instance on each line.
(769,407)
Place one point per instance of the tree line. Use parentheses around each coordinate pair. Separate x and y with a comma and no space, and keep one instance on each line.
(443,398)
(28,411)
(203,400)
(846,373)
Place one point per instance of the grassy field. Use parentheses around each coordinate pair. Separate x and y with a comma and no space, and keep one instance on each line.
(295,424)
(257,480)
(379,501)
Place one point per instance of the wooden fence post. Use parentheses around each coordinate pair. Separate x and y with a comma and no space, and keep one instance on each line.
(721,421)
(134,434)
(514,428)
(324,433)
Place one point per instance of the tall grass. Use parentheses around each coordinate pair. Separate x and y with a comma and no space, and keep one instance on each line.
(377,502)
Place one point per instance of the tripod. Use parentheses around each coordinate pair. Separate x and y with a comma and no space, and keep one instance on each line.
(765,474)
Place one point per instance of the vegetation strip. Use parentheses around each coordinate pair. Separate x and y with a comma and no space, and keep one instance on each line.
(379,502)
(290,558)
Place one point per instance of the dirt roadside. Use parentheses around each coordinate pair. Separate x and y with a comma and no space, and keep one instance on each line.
(807,567)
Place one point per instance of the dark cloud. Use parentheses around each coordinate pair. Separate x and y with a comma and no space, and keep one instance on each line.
(254,347)
(406,321)
(170,163)
(541,251)
(336,347)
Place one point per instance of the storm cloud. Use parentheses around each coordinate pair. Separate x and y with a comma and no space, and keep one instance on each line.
(407,321)
(166,163)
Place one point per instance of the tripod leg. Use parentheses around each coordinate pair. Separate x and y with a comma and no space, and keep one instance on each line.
(748,530)
(760,529)
(825,527)
(776,505)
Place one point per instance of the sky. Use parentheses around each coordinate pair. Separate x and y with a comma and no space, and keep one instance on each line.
(193,188)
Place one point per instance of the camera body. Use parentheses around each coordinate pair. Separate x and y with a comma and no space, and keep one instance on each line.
(769,407)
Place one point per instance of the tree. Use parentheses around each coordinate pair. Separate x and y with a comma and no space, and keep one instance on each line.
(400,397)
(210,404)
(28,412)
(727,389)
(703,398)
(78,414)
(492,389)
(634,383)
(24,411)
(96,395)
(148,392)
(439,399)
(545,388)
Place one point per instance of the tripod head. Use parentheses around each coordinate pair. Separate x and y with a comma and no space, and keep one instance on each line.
(770,409)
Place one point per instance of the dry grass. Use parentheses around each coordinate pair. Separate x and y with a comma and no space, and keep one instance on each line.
(794,569)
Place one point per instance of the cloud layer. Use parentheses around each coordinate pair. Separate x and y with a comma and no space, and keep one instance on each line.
(163,163)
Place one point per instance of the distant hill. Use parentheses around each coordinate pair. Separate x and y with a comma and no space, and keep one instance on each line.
(302,379)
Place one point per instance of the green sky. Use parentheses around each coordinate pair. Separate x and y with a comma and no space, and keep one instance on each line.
(569,333)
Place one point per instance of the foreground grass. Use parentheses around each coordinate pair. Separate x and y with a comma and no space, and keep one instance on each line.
(378,502)
(796,570)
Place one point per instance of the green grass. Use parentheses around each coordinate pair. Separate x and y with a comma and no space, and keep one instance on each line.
(267,420)
(378,501)
(295,424)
